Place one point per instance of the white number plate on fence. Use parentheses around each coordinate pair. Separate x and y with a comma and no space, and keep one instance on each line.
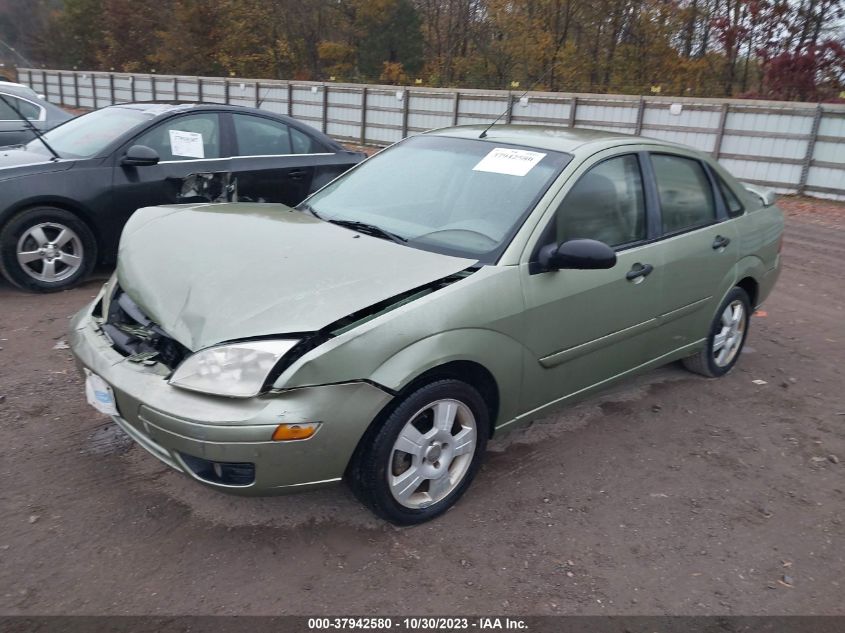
(99,394)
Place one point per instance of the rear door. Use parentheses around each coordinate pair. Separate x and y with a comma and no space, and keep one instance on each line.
(13,129)
(700,247)
(277,162)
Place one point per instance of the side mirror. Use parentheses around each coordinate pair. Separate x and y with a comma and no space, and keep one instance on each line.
(578,255)
(140,156)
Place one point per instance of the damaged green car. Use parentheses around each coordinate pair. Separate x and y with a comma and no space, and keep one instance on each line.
(448,288)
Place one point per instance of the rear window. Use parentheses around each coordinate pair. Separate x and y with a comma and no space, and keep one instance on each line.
(686,197)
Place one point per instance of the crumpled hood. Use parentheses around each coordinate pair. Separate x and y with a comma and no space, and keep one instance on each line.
(212,273)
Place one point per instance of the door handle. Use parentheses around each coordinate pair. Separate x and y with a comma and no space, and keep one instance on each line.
(639,272)
(720,242)
(296,173)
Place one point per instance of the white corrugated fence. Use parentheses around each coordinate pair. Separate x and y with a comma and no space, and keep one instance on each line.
(790,146)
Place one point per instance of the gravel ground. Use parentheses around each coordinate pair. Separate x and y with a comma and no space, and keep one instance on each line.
(670,494)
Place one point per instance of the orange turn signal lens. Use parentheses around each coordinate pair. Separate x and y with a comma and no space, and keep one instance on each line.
(296,431)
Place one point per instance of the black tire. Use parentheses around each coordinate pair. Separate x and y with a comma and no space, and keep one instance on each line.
(368,472)
(704,362)
(85,247)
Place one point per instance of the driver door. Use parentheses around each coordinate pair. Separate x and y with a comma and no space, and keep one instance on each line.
(188,145)
(584,327)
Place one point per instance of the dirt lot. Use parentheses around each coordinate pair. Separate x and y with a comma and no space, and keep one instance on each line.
(671,494)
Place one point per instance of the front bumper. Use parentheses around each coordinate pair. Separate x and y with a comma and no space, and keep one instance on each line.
(182,428)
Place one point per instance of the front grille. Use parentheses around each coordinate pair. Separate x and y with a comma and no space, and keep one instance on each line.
(137,337)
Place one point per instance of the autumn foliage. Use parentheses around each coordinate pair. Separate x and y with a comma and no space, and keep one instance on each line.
(774,49)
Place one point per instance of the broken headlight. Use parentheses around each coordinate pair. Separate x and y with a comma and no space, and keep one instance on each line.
(237,370)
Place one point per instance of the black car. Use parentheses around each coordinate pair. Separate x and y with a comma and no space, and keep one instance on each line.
(63,203)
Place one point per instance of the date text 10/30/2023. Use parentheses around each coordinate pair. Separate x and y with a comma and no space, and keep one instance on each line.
(417,623)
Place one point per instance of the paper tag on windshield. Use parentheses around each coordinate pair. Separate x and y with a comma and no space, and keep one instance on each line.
(512,162)
(186,144)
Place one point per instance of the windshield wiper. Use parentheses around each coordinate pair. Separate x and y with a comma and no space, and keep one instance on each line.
(368,229)
(31,127)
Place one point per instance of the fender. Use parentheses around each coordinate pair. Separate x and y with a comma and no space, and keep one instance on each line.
(497,353)
(750,266)
(61,202)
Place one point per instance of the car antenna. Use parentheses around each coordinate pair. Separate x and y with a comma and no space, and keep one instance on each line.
(510,105)
(31,127)
(260,101)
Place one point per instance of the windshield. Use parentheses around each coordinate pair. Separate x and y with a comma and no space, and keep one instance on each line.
(457,196)
(87,135)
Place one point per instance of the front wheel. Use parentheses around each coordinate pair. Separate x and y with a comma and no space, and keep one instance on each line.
(424,456)
(46,249)
(726,337)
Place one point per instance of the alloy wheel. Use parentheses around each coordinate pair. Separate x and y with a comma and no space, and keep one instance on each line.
(49,252)
(432,454)
(727,342)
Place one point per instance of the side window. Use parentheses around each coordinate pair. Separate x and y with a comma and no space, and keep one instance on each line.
(185,137)
(606,204)
(258,136)
(304,144)
(686,197)
(732,203)
(29,110)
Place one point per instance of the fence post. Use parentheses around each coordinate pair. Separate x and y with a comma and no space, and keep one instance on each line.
(61,89)
(720,132)
(456,107)
(257,94)
(811,148)
(175,89)
(640,111)
(363,115)
(573,106)
(290,100)
(325,107)
(226,91)
(76,88)
(406,97)
(153,88)
(44,84)
(132,88)
(111,88)
(509,105)
(94,89)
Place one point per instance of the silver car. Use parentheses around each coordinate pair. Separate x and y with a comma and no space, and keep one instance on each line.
(41,113)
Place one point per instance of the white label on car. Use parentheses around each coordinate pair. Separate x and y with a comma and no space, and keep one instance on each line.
(99,394)
(186,144)
(512,162)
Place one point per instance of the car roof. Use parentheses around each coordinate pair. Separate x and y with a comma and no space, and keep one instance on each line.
(553,138)
(162,108)
(19,90)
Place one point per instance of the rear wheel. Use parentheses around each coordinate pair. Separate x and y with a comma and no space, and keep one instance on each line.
(46,249)
(726,337)
(424,456)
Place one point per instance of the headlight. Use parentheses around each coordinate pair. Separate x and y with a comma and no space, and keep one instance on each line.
(237,370)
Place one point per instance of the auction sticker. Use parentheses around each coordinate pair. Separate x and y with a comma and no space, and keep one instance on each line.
(187,144)
(511,162)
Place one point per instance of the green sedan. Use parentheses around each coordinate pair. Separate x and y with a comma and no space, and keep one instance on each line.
(447,289)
